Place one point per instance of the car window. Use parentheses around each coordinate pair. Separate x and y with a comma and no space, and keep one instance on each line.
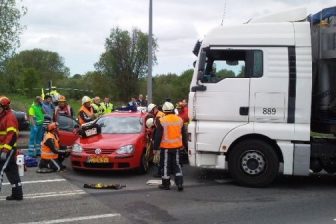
(120,125)
(66,123)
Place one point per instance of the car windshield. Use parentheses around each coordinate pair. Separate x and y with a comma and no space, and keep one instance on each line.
(120,125)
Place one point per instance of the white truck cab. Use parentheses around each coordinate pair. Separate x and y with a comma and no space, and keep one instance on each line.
(250,100)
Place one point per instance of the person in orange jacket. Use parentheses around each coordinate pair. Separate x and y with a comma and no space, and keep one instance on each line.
(86,113)
(53,153)
(168,138)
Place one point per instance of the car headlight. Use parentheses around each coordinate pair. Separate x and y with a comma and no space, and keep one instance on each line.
(77,148)
(126,149)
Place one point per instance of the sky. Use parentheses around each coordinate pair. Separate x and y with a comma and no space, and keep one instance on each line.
(77,29)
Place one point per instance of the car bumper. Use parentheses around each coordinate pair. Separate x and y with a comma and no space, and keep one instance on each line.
(115,162)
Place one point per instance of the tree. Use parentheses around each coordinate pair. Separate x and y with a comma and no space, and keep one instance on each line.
(44,65)
(175,87)
(10,27)
(125,60)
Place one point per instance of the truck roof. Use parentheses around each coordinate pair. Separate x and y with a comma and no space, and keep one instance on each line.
(289,28)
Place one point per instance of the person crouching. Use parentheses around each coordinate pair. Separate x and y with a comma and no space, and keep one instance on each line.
(53,154)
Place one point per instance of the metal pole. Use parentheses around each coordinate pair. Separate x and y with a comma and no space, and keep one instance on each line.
(150,55)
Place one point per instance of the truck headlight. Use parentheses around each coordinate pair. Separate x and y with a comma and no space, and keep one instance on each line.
(126,149)
(77,148)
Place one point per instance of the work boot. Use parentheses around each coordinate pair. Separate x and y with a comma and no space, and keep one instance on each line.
(180,187)
(179,183)
(17,194)
(165,184)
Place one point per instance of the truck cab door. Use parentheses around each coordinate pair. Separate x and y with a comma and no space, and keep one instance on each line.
(221,99)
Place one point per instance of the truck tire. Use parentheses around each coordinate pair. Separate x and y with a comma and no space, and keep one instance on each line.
(253,163)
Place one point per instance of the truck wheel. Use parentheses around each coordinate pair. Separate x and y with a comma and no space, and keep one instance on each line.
(253,163)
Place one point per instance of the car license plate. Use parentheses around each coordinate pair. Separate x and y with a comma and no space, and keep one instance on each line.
(91,132)
(98,160)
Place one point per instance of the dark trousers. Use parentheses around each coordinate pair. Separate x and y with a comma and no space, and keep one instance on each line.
(54,164)
(11,169)
(170,165)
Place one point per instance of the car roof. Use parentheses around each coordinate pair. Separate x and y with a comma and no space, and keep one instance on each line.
(126,114)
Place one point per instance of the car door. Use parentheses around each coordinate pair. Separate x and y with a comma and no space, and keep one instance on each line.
(67,130)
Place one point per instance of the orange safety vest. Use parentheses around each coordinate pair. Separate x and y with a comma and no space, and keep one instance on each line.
(159,114)
(46,151)
(89,113)
(172,137)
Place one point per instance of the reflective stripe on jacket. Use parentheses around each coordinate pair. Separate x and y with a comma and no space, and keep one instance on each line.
(47,153)
(172,132)
(8,130)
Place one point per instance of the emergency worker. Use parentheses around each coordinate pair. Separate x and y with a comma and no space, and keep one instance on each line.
(97,109)
(54,95)
(8,139)
(168,138)
(62,109)
(86,114)
(182,108)
(53,154)
(154,111)
(106,106)
(36,118)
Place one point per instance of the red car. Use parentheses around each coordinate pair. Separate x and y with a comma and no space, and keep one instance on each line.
(121,145)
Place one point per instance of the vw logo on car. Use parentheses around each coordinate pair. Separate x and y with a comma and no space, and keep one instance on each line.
(98,151)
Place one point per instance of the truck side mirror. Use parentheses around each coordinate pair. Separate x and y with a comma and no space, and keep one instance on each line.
(201,64)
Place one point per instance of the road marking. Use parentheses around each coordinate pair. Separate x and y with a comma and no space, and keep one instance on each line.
(50,194)
(75,219)
(39,181)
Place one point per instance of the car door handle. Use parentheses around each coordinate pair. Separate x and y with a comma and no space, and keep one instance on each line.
(244,111)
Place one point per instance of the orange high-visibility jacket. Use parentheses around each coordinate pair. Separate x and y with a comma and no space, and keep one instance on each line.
(172,132)
(47,153)
(89,113)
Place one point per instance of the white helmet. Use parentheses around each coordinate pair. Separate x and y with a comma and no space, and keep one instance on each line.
(150,122)
(86,99)
(151,107)
(168,107)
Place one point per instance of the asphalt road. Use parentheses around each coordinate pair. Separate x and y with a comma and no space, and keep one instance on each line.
(209,197)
